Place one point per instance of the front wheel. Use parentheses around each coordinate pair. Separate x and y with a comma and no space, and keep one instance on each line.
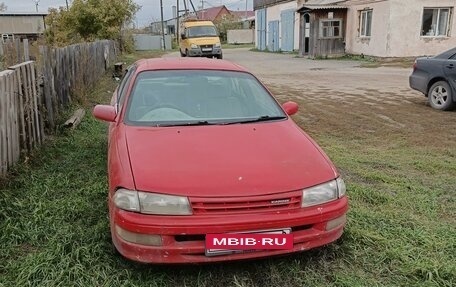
(440,96)
(220,56)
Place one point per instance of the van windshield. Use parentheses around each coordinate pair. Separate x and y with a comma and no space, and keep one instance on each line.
(201,31)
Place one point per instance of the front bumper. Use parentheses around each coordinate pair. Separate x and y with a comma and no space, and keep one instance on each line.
(183,236)
(198,52)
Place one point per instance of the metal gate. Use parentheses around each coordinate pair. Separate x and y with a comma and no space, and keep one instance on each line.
(261,29)
(273,36)
(287,31)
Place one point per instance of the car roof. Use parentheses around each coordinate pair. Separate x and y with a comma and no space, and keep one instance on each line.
(197,23)
(186,64)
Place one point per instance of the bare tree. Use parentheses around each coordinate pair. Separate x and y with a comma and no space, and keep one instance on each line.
(2,7)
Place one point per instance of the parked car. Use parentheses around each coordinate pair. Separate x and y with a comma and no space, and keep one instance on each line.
(199,146)
(435,77)
(199,39)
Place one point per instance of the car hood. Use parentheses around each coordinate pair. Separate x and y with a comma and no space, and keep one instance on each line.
(205,40)
(230,160)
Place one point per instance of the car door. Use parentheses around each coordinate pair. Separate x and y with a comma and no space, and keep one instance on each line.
(450,71)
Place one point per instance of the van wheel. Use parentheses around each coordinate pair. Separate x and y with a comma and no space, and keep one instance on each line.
(220,56)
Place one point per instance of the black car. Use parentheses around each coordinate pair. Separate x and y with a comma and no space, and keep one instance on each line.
(435,77)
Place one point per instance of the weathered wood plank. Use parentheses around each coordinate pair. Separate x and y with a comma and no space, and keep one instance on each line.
(3,142)
(9,128)
(26,50)
(15,136)
(20,108)
(36,104)
(47,94)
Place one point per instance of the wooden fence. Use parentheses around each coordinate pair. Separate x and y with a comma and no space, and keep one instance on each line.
(72,71)
(32,94)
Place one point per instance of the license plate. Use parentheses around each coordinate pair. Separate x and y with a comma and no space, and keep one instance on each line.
(206,49)
(252,237)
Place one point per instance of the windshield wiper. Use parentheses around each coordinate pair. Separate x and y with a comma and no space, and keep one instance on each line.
(257,120)
(197,123)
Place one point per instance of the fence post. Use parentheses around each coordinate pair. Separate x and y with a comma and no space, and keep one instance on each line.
(26,50)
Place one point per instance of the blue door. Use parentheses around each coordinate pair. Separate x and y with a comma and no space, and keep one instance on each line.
(261,29)
(273,36)
(287,31)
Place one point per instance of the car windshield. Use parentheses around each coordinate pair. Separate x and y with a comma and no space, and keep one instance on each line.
(199,97)
(201,31)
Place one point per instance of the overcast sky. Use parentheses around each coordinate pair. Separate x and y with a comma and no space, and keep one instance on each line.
(150,8)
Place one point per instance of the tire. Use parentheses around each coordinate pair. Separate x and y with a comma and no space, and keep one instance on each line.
(182,54)
(220,56)
(440,96)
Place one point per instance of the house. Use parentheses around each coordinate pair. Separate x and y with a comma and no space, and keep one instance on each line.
(22,25)
(214,14)
(400,28)
(382,28)
(247,18)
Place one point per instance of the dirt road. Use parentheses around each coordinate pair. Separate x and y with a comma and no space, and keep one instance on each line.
(342,96)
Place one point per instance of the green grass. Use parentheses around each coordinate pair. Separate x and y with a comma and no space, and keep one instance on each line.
(54,229)
(236,46)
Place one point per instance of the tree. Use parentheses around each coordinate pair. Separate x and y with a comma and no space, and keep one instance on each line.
(88,20)
(2,7)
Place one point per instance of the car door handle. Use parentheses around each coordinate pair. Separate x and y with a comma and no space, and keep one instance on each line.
(450,66)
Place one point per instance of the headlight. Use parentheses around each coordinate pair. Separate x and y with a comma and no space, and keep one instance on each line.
(151,203)
(323,193)
(193,46)
(217,45)
(127,199)
(154,203)
(341,188)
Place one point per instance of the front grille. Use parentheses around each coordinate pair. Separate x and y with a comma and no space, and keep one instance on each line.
(206,49)
(232,205)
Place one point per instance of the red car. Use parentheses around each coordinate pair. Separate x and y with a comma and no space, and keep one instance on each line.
(198,147)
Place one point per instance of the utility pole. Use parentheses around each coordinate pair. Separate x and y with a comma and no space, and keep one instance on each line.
(177,22)
(193,6)
(68,7)
(36,4)
(185,7)
(202,9)
(246,1)
(162,25)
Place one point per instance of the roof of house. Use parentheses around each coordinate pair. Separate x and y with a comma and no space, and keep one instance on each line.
(322,4)
(210,13)
(241,14)
(8,13)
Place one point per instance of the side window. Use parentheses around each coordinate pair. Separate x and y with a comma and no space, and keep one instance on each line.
(123,87)
(453,57)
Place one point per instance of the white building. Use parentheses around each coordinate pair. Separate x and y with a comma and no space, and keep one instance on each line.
(383,28)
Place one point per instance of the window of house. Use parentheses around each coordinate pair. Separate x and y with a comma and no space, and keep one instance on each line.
(436,22)
(331,28)
(365,23)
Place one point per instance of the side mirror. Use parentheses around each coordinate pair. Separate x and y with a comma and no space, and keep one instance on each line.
(183,37)
(105,113)
(290,108)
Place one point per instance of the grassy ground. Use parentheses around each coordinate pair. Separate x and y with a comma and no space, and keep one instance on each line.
(401,231)
(235,46)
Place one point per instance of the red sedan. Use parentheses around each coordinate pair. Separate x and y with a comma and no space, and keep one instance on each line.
(199,147)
